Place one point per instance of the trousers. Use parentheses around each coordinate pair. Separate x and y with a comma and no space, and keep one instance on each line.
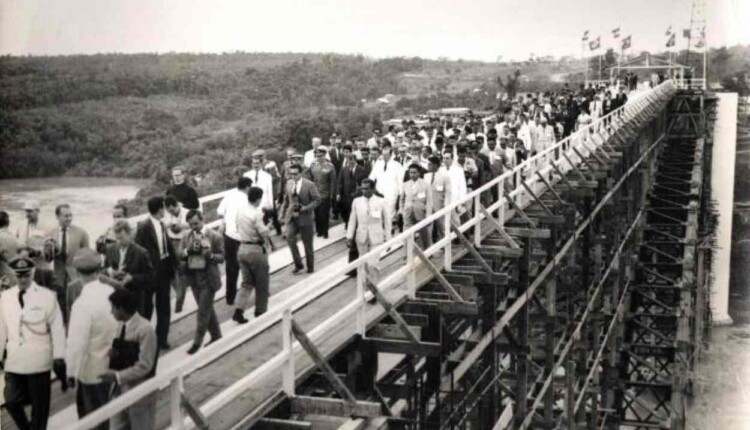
(163,308)
(206,316)
(90,397)
(180,288)
(232,267)
(140,416)
(32,389)
(255,275)
(293,233)
(323,217)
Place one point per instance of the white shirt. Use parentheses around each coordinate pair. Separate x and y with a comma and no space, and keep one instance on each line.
(388,177)
(159,237)
(27,231)
(170,220)
(310,157)
(33,344)
(231,205)
(264,181)
(458,181)
(90,334)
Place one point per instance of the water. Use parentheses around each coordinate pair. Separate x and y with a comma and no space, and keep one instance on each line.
(91,199)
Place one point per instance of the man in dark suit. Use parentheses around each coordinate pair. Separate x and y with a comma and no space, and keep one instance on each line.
(128,266)
(151,234)
(350,176)
(301,197)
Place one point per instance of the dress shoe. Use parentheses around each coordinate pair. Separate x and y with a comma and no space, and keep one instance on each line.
(239,317)
(193,349)
(297,270)
(213,340)
(164,346)
(310,271)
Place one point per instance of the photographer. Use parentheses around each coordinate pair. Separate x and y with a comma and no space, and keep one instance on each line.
(201,251)
(127,265)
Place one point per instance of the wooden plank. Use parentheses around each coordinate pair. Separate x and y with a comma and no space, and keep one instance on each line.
(279,424)
(449,307)
(321,363)
(470,247)
(389,309)
(394,331)
(485,278)
(534,233)
(395,346)
(439,276)
(500,251)
(500,229)
(415,319)
(194,413)
(307,405)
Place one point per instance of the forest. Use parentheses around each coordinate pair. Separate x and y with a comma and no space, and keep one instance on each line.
(136,115)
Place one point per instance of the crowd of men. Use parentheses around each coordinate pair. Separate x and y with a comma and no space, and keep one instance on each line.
(82,310)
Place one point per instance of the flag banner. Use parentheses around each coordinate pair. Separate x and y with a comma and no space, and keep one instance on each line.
(595,44)
(616,32)
(671,41)
(585,36)
(686,33)
(626,42)
(669,31)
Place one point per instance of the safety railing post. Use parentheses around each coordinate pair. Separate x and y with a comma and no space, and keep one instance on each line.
(286,338)
(411,278)
(175,403)
(478,218)
(447,250)
(361,309)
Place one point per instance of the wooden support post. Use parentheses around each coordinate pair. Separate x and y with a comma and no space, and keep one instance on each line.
(470,247)
(500,229)
(439,276)
(389,308)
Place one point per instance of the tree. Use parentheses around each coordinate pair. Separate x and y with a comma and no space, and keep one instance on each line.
(510,86)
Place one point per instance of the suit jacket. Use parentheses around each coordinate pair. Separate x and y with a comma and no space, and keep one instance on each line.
(138,329)
(369,222)
(145,236)
(211,277)
(137,264)
(349,181)
(336,158)
(416,199)
(308,199)
(76,238)
(441,188)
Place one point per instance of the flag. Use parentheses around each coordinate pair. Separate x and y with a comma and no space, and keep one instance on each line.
(585,36)
(616,32)
(671,41)
(669,31)
(686,33)
(595,44)
(626,42)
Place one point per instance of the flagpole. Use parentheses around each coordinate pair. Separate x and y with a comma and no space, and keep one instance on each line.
(585,63)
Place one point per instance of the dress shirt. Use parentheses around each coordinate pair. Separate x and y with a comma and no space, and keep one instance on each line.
(264,181)
(231,205)
(160,238)
(388,177)
(28,230)
(90,334)
(250,225)
(170,220)
(457,180)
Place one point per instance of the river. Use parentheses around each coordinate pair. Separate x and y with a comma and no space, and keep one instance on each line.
(91,199)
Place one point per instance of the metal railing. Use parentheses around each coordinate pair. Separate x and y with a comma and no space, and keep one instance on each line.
(565,154)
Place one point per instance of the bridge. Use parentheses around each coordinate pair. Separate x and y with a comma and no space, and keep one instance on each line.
(580,299)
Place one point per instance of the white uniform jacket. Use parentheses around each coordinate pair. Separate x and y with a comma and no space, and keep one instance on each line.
(369,221)
(90,334)
(388,178)
(34,335)
(264,181)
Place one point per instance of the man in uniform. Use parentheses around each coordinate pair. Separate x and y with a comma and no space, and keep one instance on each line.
(253,256)
(388,176)
(273,170)
(416,203)
(370,222)
(323,174)
(201,251)
(90,335)
(31,228)
(8,248)
(32,334)
(300,200)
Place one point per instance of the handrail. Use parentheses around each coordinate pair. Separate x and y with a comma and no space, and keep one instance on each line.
(282,313)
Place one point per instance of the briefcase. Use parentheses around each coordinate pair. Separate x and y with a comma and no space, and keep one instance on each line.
(124,354)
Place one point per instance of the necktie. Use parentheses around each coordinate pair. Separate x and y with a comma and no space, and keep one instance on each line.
(256,178)
(294,192)
(122,332)
(432,178)
(385,166)
(20,297)
(164,241)
(64,245)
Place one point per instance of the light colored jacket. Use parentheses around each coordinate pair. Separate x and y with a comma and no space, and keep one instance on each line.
(416,199)
(91,331)
(369,221)
(138,329)
(34,335)
(441,188)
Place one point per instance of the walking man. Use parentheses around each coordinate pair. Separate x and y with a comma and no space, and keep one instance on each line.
(370,223)
(180,190)
(176,223)
(253,256)
(388,176)
(440,185)
(31,228)
(234,202)
(68,239)
(300,200)
(323,174)
(32,334)
(416,203)
(350,176)
(151,234)
(90,335)
(264,181)
(127,265)
(201,252)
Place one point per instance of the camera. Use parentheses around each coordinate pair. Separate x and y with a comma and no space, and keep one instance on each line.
(196,260)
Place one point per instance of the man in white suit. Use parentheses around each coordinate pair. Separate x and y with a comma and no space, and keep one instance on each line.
(91,332)
(369,222)
(32,333)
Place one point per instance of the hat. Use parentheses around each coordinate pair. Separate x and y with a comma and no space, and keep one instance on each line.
(321,148)
(31,205)
(259,153)
(86,260)
(296,155)
(21,265)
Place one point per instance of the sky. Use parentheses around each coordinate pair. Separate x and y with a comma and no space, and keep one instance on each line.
(468,29)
